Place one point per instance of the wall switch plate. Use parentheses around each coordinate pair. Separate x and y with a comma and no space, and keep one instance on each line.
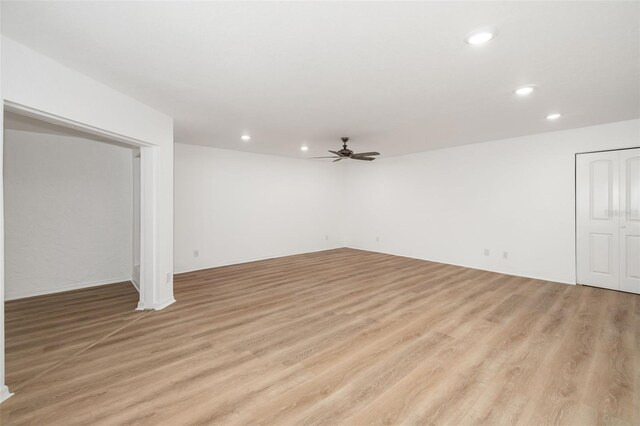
(487,252)
(377,239)
(326,237)
(505,255)
(196,253)
(169,277)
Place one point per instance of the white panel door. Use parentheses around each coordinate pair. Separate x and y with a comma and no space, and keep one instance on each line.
(630,220)
(598,220)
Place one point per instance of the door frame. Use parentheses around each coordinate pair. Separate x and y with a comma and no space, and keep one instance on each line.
(148,197)
(575,201)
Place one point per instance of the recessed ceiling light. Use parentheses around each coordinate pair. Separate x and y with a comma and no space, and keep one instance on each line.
(245,138)
(553,116)
(304,148)
(524,90)
(480,36)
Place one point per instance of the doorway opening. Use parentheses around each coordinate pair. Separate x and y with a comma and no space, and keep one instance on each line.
(72,241)
(71,206)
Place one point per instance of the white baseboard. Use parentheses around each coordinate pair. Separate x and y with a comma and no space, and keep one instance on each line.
(155,307)
(4,393)
(12,294)
(164,304)
(184,269)
(498,271)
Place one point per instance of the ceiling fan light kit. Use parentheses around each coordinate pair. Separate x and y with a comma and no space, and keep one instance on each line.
(346,153)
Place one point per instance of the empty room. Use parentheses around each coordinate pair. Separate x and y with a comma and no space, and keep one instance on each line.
(329,212)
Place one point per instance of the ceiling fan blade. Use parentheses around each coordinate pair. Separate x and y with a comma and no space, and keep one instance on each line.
(332,156)
(354,157)
(337,159)
(366,154)
(336,153)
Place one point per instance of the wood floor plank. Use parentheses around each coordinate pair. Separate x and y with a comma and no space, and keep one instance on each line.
(336,337)
(557,394)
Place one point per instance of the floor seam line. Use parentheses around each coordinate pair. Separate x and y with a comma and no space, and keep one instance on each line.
(79,352)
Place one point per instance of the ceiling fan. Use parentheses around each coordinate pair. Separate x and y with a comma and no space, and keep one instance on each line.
(347,153)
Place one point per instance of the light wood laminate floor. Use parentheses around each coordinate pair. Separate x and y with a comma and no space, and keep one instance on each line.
(336,337)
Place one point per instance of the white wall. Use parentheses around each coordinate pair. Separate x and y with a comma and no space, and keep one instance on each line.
(236,207)
(68,213)
(514,195)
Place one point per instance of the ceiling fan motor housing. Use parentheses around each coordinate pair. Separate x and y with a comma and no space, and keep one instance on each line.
(345,151)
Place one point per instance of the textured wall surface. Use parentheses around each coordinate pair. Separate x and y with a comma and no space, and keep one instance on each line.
(68,213)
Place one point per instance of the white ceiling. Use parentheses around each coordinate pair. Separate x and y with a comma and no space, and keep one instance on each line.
(394,76)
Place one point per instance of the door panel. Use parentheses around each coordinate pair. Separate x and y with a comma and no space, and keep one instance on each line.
(630,220)
(601,184)
(633,252)
(598,220)
(600,253)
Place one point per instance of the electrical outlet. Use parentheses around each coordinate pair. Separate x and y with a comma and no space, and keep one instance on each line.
(505,255)
(377,239)
(326,237)
(487,252)
(196,253)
